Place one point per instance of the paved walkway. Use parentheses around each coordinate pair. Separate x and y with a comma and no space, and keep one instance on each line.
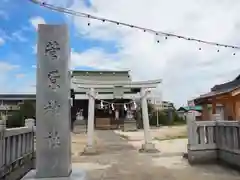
(118,160)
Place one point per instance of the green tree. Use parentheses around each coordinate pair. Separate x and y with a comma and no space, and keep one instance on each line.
(27,109)
(177,119)
(16,118)
(162,118)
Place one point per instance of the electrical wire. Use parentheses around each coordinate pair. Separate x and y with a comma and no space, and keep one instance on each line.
(157,33)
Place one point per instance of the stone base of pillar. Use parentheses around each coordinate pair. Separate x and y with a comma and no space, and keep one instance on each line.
(148,148)
(77,174)
(89,150)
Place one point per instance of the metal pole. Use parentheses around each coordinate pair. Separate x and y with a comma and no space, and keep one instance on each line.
(157,119)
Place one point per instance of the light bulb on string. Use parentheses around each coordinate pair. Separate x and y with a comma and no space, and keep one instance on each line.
(157,38)
(89,16)
(89,23)
(218,50)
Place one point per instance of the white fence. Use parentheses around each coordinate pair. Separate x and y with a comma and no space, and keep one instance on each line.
(16,150)
(213,140)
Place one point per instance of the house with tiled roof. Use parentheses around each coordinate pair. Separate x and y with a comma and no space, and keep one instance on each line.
(223,99)
(197,110)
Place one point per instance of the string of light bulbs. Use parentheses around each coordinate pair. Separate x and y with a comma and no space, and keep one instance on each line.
(166,35)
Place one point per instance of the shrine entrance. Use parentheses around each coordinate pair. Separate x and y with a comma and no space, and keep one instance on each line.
(123,91)
(110,114)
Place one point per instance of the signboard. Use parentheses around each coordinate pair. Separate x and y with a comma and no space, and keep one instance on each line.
(118,92)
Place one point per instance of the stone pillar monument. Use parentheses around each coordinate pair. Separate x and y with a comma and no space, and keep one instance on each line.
(53,147)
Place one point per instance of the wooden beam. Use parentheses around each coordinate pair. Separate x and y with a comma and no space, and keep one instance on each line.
(214,106)
(205,112)
(234,109)
(230,109)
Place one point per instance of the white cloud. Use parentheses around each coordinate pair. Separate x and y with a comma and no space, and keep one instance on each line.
(34,66)
(6,70)
(186,72)
(6,67)
(3,15)
(19,76)
(85,59)
(2,41)
(35,21)
(21,81)
(34,48)
(19,36)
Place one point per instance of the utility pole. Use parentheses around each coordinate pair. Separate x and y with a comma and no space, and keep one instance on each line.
(156,106)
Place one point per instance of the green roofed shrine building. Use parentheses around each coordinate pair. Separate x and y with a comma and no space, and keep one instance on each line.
(116,97)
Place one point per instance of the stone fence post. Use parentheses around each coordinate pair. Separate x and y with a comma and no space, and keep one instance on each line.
(2,141)
(30,123)
(191,127)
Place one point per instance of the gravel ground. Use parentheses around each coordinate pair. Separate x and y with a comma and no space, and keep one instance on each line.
(119,159)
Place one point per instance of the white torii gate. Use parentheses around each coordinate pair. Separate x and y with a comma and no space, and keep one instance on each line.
(91,94)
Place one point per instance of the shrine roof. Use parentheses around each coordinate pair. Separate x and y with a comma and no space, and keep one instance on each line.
(77,72)
(17,96)
(220,89)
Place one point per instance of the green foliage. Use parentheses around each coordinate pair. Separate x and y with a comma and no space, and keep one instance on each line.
(150,108)
(27,109)
(16,118)
(177,119)
(165,117)
(162,118)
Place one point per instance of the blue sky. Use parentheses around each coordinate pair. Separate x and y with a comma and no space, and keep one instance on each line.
(18,38)
(185,71)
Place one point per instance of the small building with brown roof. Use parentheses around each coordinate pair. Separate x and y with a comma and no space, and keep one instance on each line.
(224,99)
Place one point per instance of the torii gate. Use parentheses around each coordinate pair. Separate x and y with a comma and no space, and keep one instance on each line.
(118,88)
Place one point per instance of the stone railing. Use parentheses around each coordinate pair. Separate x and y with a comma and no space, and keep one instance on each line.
(16,150)
(213,140)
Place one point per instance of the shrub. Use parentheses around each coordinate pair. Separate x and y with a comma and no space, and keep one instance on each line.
(177,119)
(166,117)
(162,118)
(27,109)
(16,118)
